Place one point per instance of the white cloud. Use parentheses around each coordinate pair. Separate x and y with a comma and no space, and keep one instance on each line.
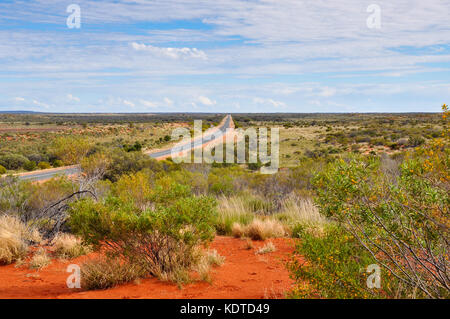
(320,40)
(270,102)
(73,98)
(128,103)
(174,53)
(148,103)
(41,104)
(168,101)
(328,92)
(206,101)
(19,99)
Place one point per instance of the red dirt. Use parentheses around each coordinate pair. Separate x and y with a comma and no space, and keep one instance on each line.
(244,275)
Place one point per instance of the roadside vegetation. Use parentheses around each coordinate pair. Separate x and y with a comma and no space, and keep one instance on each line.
(351,194)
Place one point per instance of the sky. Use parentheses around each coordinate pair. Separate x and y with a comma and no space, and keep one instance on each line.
(225,56)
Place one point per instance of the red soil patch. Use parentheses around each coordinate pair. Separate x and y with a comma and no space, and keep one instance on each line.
(244,275)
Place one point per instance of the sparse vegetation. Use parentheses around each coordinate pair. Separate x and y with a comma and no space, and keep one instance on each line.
(68,246)
(15,238)
(104,273)
(267,248)
(356,189)
(40,259)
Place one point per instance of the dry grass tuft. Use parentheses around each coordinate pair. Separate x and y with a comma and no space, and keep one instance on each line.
(237,230)
(248,244)
(232,210)
(68,246)
(40,259)
(214,258)
(12,247)
(267,248)
(15,237)
(260,229)
(105,273)
(207,260)
(301,210)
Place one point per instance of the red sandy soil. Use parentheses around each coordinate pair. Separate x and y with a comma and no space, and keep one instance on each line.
(244,275)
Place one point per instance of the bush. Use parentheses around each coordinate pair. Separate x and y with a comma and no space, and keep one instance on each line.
(2,170)
(30,165)
(162,238)
(403,220)
(335,268)
(13,161)
(70,149)
(57,163)
(44,165)
(415,141)
(121,162)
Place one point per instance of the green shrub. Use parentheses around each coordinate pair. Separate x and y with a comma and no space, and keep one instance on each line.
(121,162)
(57,163)
(30,165)
(335,268)
(162,239)
(2,170)
(44,165)
(13,161)
(70,149)
(402,220)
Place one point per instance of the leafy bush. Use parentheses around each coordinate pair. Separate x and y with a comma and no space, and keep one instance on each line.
(13,161)
(70,149)
(121,162)
(136,147)
(162,238)
(2,170)
(402,222)
(57,163)
(44,165)
(29,165)
(335,267)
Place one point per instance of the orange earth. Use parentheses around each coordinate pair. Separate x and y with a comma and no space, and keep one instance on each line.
(244,275)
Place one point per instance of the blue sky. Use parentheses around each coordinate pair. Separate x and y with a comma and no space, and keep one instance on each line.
(225,56)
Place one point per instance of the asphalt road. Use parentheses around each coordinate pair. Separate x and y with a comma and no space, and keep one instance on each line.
(44,175)
(195,143)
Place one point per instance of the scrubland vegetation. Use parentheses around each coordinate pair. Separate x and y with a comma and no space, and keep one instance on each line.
(355,190)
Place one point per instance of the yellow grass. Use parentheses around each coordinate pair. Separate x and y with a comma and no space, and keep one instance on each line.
(14,239)
(68,246)
(267,248)
(40,259)
(260,229)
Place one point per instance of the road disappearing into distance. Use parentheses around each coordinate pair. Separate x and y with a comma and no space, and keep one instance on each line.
(76,169)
